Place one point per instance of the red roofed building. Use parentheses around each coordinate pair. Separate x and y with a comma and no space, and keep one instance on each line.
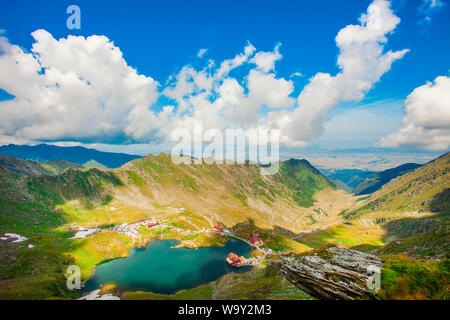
(218,227)
(234,258)
(256,240)
(152,224)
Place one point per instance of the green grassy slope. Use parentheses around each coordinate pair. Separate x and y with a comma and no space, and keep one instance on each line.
(28,206)
(303,180)
(44,208)
(296,180)
(25,197)
(425,188)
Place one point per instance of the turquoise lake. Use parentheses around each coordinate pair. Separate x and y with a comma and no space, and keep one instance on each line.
(162,269)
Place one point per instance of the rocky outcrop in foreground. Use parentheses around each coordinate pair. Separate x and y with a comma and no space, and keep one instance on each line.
(335,273)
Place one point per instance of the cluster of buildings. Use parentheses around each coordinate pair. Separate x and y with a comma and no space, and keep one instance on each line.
(222,230)
(234,260)
(151,224)
(238,261)
(133,229)
(255,240)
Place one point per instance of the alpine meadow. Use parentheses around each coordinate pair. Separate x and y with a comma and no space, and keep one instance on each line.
(225,150)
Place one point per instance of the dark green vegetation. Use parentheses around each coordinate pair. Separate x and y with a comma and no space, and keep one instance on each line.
(79,155)
(417,260)
(27,206)
(404,278)
(303,179)
(420,238)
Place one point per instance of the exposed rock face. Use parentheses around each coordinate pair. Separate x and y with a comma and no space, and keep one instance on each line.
(337,273)
(96,295)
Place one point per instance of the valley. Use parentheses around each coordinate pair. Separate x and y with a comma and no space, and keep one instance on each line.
(296,212)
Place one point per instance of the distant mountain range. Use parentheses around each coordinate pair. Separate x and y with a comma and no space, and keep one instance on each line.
(358,182)
(361,182)
(36,168)
(78,155)
(347,179)
(375,181)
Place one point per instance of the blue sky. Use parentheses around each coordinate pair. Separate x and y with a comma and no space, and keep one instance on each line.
(158,38)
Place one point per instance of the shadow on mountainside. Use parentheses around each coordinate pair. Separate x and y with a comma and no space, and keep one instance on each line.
(28,207)
(421,237)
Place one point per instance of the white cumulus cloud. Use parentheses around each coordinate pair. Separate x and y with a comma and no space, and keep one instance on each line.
(77,88)
(362,63)
(426,124)
(82,89)
(266,60)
